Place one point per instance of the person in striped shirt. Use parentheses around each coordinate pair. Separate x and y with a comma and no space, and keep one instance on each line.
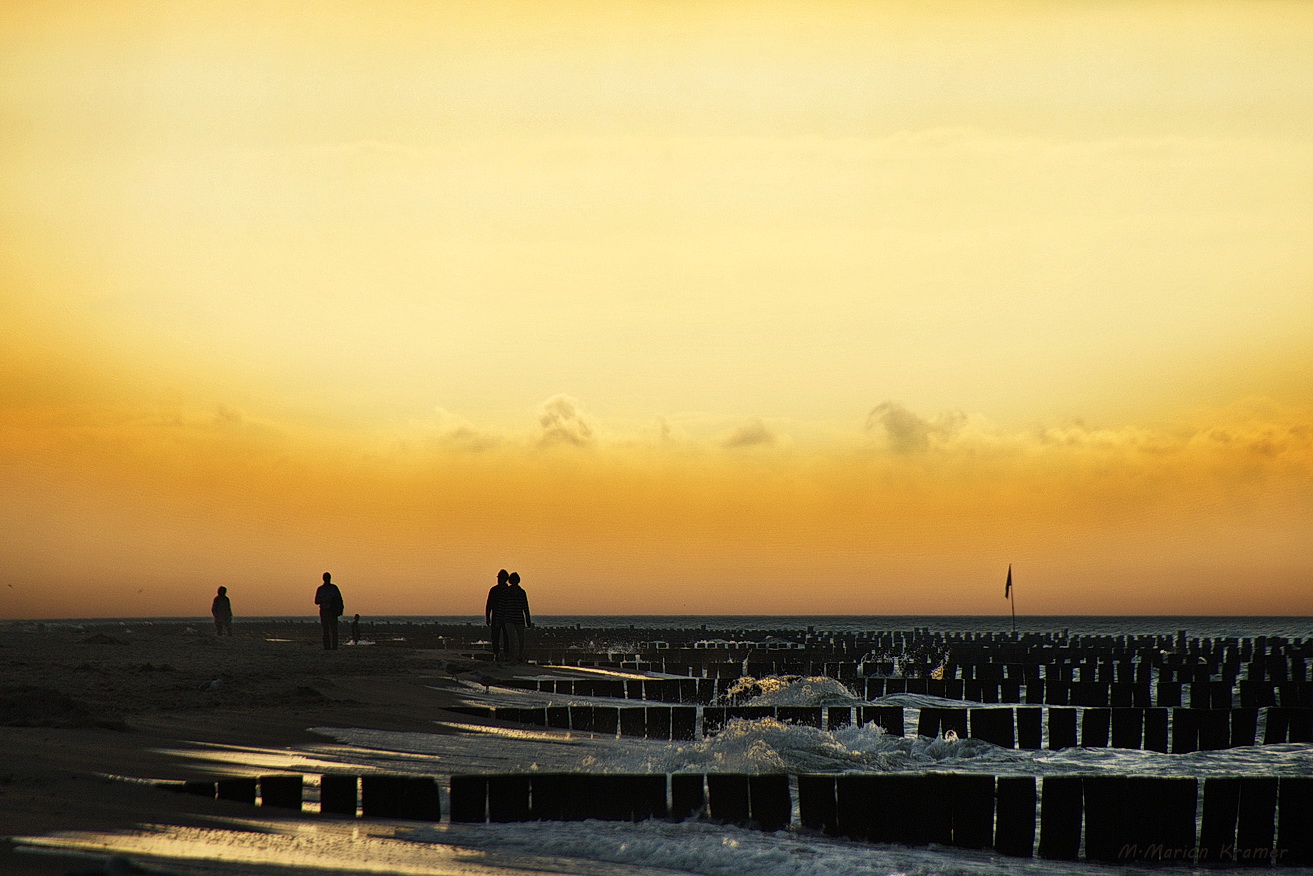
(513,611)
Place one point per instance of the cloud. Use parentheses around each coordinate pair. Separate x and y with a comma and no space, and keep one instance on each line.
(456,432)
(228,416)
(1078,436)
(665,435)
(908,432)
(1260,435)
(563,422)
(1243,442)
(751,434)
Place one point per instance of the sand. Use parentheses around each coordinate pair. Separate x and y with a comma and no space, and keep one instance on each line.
(78,705)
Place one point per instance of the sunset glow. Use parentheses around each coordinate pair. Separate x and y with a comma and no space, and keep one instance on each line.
(732,308)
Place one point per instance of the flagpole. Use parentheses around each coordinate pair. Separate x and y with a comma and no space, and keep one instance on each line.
(1014,615)
(1012,600)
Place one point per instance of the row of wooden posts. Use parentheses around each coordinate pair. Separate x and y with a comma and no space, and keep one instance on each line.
(1272,656)
(1170,694)
(1122,819)
(1178,731)
(956,662)
(758,664)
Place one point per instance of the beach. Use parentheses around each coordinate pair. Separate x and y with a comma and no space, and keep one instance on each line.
(80,704)
(101,722)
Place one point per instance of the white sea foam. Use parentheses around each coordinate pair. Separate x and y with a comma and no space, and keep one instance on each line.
(790,690)
(769,745)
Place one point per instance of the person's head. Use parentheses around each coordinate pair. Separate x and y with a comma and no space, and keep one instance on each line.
(357,617)
(514,579)
(223,590)
(502,576)
(327,577)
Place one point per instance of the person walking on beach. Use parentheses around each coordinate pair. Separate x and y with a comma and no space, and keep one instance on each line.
(222,609)
(492,617)
(514,610)
(329,600)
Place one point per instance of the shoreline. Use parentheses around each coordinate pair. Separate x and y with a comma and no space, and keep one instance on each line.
(80,706)
(155,702)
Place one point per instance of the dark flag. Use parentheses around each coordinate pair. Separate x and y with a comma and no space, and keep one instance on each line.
(1007,589)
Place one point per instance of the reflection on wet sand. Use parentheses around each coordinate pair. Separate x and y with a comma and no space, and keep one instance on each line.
(256,846)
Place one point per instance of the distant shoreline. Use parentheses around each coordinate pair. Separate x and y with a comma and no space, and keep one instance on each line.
(1198,626)
(548,618)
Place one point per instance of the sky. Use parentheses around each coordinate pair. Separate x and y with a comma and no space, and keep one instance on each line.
(675,308)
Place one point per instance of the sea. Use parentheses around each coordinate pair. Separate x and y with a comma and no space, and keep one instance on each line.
(597,848)
(1092,625)
(1203,626)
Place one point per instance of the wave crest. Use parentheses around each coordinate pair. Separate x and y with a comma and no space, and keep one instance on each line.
(769,746)
(789,690)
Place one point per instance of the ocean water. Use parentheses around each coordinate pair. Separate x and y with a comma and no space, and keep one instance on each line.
(1290,627)
(692,847)
(1096,625)
(1093,625)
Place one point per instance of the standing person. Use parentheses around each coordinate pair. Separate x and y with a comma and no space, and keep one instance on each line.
(329,600)
(492,617)
(514,609)
(222,609)
(355,630)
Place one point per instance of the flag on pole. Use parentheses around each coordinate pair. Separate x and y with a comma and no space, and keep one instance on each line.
(1007,589)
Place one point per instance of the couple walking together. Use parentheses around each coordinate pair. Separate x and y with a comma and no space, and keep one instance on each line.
(507,612)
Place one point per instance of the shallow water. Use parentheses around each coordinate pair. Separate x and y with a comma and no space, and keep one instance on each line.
(694,847)
(609,849)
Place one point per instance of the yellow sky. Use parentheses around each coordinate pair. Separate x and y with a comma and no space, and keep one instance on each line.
(815,307)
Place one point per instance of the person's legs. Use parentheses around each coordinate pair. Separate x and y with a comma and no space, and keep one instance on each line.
(327,623)
(515,642)
(332,631)
(498,635)
(508,642)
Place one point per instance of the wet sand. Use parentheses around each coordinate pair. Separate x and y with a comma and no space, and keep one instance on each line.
(78,706)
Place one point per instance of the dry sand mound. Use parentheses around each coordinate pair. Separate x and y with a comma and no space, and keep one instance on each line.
(27,706)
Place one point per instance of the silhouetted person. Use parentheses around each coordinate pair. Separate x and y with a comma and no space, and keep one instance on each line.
(355,630)
(513,608)
(492,617)
(329,600)
(222,609)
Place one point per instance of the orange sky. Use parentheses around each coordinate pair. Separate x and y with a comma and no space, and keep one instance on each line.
(705,308)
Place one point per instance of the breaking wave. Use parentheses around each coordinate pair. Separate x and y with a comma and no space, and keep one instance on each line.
(770,746)
(790,690)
